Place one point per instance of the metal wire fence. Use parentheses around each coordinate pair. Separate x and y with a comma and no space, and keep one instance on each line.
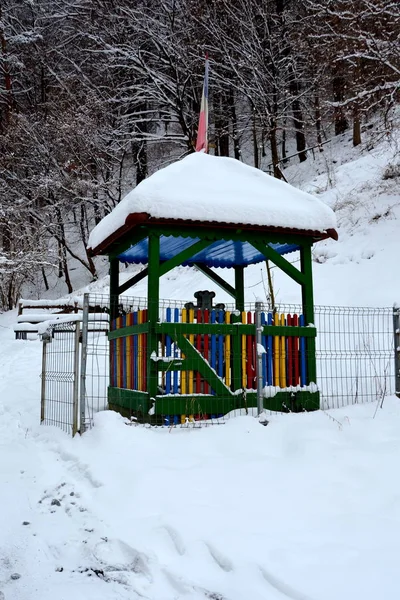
(354,353)
(354,347)
(71,394)
(97,369)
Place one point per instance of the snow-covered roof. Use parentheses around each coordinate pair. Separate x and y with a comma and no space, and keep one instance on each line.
(206,188)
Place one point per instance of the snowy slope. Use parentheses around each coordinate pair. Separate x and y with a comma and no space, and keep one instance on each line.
(361,267)
(306,508)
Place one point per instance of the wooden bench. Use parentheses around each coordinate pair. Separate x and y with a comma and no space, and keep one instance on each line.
(29,322)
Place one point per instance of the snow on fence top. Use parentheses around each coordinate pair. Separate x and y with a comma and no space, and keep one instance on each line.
(207,188)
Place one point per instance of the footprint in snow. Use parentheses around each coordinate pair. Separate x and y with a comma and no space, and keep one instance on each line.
(176,539)
(282,587)
(222,561)
(116,555)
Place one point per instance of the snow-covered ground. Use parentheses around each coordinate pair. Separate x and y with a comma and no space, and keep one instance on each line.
(307,508)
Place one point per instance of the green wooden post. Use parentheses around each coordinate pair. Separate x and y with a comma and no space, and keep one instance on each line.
(239,288)
(308,308)
(153,293)
(114,285)
(236,342)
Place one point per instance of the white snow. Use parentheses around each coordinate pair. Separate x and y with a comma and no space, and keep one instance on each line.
(39,317)
(202,187)
(260,350)
(304,508)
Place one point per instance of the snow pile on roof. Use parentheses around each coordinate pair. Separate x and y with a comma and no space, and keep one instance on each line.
(208,188)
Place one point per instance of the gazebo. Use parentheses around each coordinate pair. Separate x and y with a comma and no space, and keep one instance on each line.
(170,364)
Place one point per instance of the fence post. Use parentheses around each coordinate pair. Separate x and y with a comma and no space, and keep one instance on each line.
(396,335)
(43,383)
(75,392)
(82,389)
(259,373)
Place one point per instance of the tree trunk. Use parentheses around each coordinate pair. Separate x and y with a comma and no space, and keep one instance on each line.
(271,291)
(298,121)
(141,162)
(95,193)
(318,123)
(232,107)
(63,264)
(83,221)
(11,299)
(60,264)
(341,123)
(5,231)
(139,147)
(66,272)
(46,283)
(221,112)
(356,126)
(274,152)
(283,143)
(9,103)
(255,143)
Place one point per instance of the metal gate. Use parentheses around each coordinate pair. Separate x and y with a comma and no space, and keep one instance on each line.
(60,376)
(75,370)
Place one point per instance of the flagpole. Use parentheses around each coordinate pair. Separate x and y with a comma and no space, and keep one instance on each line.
(202,130)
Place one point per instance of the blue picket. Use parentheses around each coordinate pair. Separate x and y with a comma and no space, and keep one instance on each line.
(168,346)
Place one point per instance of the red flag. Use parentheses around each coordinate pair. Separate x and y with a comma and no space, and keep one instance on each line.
(202,131)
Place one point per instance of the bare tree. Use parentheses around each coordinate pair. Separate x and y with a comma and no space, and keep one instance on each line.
(360,41)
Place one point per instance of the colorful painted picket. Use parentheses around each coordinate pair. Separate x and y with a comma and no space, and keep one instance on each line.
(284,363)
(128,354)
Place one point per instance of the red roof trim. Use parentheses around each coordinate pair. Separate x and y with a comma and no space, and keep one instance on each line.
(135,219)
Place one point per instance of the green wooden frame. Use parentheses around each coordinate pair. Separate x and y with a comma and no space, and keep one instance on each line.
(238,328)
(133,403)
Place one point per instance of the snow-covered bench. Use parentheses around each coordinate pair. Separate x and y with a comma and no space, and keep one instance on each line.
(57,306)
(52,311)
(29,321)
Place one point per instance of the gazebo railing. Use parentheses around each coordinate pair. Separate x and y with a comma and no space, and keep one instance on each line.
(209,355)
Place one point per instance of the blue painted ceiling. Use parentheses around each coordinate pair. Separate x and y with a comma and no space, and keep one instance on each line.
(219,254)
